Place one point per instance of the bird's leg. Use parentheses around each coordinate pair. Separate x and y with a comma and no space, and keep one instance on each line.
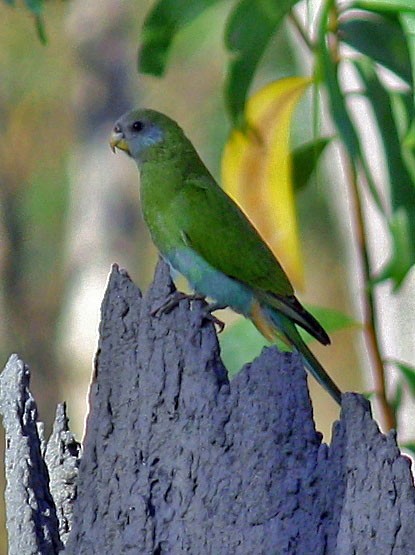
(174,299)
(209,316)
(208,309)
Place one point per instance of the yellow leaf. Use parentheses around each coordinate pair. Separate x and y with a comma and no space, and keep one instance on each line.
(256,170)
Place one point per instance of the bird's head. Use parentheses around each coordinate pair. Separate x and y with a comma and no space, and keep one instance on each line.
(145,134)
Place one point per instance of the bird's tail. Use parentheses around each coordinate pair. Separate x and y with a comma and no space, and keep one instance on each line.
(274,325)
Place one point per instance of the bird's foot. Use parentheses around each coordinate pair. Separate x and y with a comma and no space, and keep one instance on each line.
(174,299)
(206,314)
(209,316)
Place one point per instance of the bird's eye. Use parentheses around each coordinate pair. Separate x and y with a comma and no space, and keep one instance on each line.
(137,126)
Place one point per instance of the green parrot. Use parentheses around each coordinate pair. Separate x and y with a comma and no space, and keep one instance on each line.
(205,236)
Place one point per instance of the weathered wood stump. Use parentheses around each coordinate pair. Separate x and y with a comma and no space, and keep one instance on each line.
(178,460)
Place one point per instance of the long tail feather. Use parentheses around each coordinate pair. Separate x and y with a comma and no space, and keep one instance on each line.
(293,309)
(317,371)
(273,324)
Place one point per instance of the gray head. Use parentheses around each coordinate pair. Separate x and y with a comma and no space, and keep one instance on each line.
(147,134)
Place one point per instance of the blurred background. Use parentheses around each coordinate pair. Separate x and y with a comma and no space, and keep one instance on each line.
(69,208)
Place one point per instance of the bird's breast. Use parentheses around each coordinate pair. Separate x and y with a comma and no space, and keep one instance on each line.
(209,281)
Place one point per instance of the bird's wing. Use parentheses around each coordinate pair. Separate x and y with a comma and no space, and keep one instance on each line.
(215,228)
(219,231)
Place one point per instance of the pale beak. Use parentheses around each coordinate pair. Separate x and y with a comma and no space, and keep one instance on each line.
(117,140)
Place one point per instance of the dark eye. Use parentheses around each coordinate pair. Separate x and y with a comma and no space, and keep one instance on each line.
(137,126)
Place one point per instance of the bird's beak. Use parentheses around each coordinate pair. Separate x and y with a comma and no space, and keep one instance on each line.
(117,140)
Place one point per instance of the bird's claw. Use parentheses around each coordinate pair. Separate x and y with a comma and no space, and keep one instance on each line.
(167,306)
(211,318)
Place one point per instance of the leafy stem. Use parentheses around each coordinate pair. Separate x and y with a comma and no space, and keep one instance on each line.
(328,58)
(368,301)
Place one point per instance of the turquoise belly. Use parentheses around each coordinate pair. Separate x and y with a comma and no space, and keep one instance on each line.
(210,282)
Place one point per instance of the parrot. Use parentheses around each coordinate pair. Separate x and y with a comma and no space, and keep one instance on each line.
(204,235)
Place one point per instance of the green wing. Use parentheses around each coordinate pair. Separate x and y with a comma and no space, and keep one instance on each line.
(220,232)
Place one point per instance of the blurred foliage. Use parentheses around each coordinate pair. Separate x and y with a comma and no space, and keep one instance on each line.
(305,159)
(256,170)
(162,24)
(32,206)
(35,8)
(235,353)
(249,29)
(36,135)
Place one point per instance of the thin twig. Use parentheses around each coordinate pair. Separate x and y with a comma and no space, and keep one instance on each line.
(369,303)
(368,300)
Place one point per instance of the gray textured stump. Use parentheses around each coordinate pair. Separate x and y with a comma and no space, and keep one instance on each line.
(178,460)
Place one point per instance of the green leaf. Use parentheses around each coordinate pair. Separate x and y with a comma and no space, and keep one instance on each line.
(408,150)
(402,189)
(380,38)
(402,107)
(328,69)
(403,112)
(369,395)
(408,446)
(40,28)
(331,319)
(408,373)
(305,159)
(396,402)
(385,5)
(402,257)
(35,6)
(160,27)
(407,20)
(241,342)
(249,28)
